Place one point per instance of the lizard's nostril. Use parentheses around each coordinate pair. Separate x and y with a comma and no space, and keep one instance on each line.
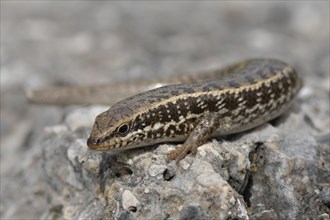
(93,143)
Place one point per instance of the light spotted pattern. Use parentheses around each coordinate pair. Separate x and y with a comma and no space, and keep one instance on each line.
(231,100)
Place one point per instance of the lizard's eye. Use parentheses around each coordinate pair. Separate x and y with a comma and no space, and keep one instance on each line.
(123,129)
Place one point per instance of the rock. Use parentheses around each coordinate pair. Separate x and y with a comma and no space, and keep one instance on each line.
(157,170)
(323,216)
(141,187)
(129,201)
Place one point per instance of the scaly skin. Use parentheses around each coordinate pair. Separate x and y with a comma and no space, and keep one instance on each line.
(234,99)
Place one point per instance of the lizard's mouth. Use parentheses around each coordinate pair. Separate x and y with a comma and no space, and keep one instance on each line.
(99,144)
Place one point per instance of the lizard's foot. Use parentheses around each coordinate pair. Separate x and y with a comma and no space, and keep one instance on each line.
(181,152)
(206,125)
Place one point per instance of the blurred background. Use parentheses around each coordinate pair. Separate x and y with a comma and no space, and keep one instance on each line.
(48,43)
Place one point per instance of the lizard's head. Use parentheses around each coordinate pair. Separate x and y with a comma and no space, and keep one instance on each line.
(115,129)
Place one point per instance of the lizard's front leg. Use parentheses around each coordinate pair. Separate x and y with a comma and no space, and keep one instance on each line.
(205,126)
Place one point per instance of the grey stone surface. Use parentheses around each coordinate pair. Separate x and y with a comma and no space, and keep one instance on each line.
(280,170)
